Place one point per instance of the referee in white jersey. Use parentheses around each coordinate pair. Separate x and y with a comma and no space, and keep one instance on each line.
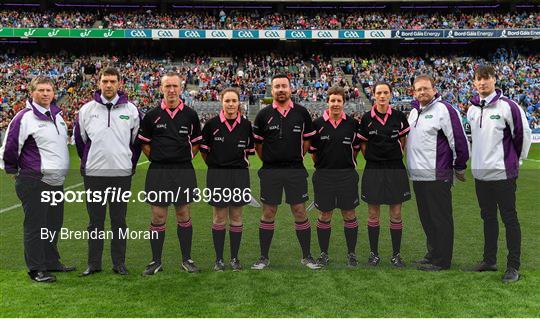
(501,139)
(105,135)
(35,149)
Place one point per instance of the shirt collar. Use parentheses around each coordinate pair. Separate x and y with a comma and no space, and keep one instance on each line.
(40,108)
(388,111)
(326,115)
(223,119)
(180,105)
(113,101)
(489,98)
(275,105)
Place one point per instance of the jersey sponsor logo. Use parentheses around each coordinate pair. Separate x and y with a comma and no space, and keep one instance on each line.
(218,138)
(495,117)
(428,116)
(96,116)
(164,126)
(124,117)
(183,132)
(42,125)
(297,129)
(273,127)
(241,145)
(62,123)
(325,137)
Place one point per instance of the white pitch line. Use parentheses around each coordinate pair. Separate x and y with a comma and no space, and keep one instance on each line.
(532,160)
(7,209)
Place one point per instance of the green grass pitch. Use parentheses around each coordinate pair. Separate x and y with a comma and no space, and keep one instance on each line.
(286,289)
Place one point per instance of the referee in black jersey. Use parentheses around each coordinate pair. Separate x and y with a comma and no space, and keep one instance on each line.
(227,142)
(383,131)
(282,132)
(170,135)
(335,182)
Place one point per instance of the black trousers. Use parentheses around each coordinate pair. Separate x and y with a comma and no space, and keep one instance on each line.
(97,212)
(501,194)
(40,252)
(434,201)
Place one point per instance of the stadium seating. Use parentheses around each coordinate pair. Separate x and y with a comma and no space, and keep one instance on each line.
(269,19)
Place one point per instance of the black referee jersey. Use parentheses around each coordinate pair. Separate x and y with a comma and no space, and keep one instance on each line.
(227,144)
(335,142)
(170,134)
(382,133)
(282,135)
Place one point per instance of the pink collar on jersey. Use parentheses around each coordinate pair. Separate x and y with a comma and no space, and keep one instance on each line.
(388,113)
(285,111)
(223,119)
(164,106)
(326,117)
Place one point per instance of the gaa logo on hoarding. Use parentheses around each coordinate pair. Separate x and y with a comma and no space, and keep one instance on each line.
(192,34)
(245,34)
(165,34)
(351,34)
(298,34)
(138,34)
(271,34)
(324,34)
(377,34)
(214,34)
(108,34)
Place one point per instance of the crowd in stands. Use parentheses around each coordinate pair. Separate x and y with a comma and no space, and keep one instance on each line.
(518,75)
(204,78)
(269,19)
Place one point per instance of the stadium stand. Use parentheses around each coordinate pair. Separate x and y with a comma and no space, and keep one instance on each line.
(269,19)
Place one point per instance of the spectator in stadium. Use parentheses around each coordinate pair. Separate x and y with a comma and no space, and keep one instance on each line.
(35,150)
(227,142)
(501,139)
(334,149)
(105,136)
(282,134)
(171,135)
(383,131)
(437,148)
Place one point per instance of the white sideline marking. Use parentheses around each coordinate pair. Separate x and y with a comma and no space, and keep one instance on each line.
(7,209)
(533,160)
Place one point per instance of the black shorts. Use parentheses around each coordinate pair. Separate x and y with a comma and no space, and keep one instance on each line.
(229,186)
(166,184)
(274,180)
(335,188)
(385,183)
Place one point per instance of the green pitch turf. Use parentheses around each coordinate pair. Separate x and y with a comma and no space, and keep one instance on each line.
(286,289)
